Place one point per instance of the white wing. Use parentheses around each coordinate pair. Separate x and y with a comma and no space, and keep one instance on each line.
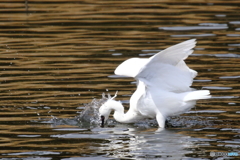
(131,67)
(166,70)
(174,54)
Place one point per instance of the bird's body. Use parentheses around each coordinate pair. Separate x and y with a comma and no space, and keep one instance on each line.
(163,86)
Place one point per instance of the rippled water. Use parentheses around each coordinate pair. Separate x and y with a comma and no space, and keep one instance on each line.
(57,56)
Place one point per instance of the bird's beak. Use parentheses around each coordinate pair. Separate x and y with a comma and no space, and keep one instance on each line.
(102,121)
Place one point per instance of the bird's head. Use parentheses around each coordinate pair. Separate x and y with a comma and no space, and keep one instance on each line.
(106,109)
(104,112)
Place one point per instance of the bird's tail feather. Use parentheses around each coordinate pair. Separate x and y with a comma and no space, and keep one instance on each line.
(195,95)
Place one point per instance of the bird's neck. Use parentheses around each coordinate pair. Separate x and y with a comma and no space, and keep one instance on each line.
(119,115)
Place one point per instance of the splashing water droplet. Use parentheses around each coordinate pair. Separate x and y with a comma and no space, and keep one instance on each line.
(90,114)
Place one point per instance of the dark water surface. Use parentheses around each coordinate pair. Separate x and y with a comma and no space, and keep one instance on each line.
(56,56)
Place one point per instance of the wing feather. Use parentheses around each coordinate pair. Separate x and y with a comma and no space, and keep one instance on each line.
(165,70)
(174,54)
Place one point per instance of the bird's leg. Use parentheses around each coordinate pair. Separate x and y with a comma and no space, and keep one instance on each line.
(161,120)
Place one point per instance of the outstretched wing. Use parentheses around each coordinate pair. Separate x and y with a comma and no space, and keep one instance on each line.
(174,54)
(165,70)
(131,67)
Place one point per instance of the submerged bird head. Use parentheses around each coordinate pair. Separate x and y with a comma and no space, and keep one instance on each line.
(104,111)
(106,108)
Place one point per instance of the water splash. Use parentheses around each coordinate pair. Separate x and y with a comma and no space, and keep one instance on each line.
(90,118)
(187,121)
(90,115)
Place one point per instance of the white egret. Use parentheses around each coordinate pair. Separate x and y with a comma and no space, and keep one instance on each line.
(163,86)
